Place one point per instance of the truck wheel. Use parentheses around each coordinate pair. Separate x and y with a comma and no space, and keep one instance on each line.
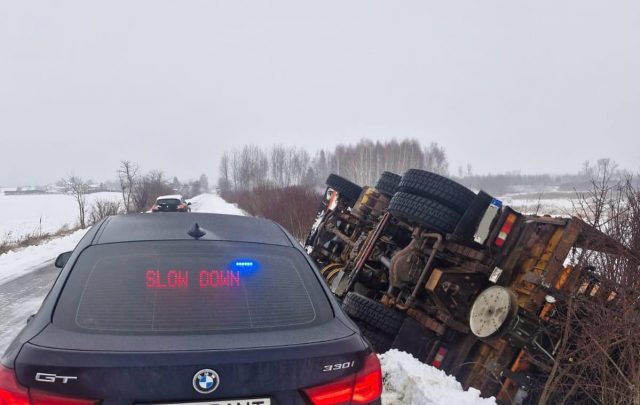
(349,190)
(424,212)
(380,342)
(373,313)
(436,187)
(388,183)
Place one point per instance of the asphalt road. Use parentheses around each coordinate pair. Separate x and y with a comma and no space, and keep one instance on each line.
(21,297)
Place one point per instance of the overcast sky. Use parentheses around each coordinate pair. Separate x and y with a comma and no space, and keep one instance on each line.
(535,86)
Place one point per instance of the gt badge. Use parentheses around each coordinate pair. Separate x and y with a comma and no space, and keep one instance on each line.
(206,381)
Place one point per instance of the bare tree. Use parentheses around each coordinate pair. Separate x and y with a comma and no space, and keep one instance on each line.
(435,159)
(78,188)
(204,183)
(278,165)
(149,188)
(128,177)
(224,169)
(597,360)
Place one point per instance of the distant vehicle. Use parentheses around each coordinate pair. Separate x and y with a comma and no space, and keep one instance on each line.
(209,308)
(171,203)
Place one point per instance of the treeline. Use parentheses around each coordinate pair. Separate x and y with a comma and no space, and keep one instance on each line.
(283,166)
(280,166)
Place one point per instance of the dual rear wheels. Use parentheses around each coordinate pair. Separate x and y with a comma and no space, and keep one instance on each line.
(430,200)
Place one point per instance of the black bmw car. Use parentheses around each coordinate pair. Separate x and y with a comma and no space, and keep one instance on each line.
(189,308)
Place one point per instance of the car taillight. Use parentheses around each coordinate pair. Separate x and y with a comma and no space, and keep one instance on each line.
(155,208)
(368,386)
(13,393)
(334,393)
(505,230)
(361,388)
(181,206)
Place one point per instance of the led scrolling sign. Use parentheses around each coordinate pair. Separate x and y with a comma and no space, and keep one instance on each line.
(206,278)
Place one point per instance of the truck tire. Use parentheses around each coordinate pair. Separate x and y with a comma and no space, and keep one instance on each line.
(379,341)
(422,211)
(388,183)
(347,189)
(373,313)
(438,188)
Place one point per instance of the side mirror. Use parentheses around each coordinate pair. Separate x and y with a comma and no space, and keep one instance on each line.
(62,259)
(188,203)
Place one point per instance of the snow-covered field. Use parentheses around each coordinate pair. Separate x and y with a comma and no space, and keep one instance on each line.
(21,215)
(540,204)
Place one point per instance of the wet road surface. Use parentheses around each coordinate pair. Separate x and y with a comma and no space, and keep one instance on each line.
(20,298)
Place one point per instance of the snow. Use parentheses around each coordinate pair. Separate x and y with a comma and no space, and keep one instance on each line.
(540,204)
(170,197)
(15,263)
(213,203)
(409,382)
(21,215)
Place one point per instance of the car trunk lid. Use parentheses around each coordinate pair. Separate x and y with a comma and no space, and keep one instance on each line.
(276,372)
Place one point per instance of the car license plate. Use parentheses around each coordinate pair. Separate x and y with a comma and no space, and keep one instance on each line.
(240,401)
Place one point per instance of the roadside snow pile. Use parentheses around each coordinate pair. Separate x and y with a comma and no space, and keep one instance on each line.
(213,203)
(407,381)
(15,263)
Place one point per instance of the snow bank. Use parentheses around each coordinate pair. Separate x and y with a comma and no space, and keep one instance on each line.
(15,263)
(409,382)
(213,203)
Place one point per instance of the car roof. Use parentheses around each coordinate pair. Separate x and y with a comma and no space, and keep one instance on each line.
(162,197)
(174,226)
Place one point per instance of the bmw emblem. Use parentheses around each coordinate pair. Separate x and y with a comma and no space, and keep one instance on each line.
(206,381)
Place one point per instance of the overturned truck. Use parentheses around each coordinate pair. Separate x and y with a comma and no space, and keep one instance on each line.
(456,278)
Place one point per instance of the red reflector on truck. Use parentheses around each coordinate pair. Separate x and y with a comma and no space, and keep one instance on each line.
(505,230)
(437,361)
(361,388)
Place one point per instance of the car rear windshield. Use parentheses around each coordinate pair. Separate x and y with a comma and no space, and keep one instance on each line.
(168,201)
(190,286)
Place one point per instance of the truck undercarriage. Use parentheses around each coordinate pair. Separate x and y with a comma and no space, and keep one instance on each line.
(453,277)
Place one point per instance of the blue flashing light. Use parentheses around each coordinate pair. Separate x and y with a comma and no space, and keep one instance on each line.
(244,265)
